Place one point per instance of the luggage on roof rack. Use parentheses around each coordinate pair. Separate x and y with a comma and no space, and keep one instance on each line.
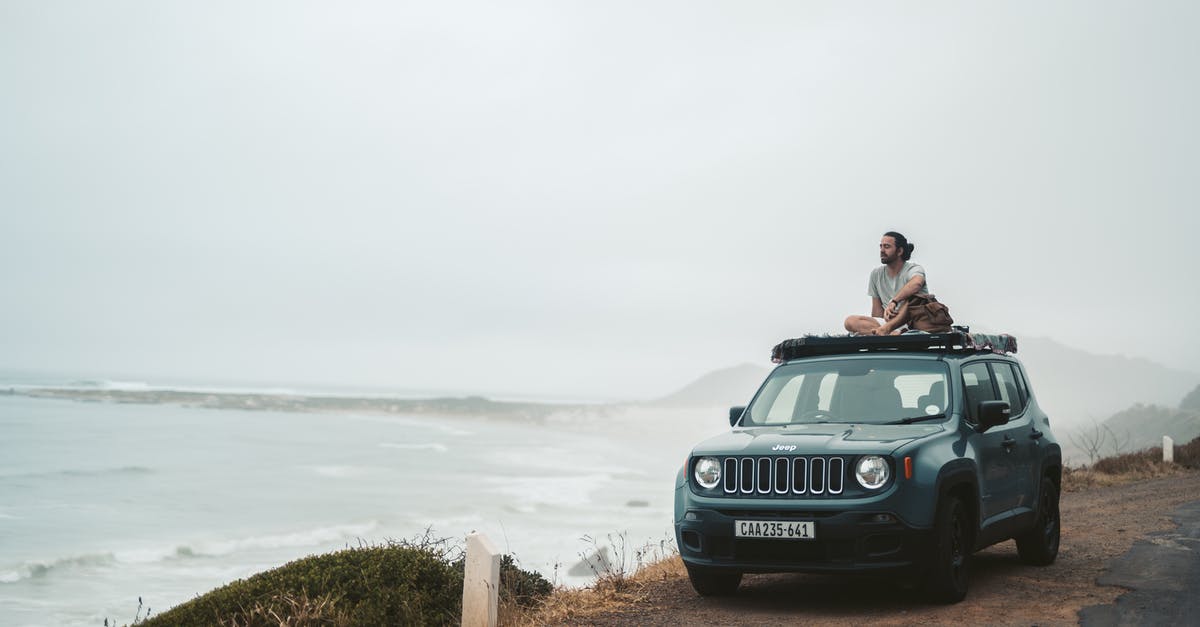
(954,341)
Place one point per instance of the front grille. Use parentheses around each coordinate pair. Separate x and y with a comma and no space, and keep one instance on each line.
(782,476)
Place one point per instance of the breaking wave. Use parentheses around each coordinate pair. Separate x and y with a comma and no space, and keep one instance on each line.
(108,384)
(341,472)
(38,570)
(431,446)
(78,472)
(316,537)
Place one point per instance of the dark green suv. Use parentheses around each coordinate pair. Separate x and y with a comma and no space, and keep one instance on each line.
(863,454)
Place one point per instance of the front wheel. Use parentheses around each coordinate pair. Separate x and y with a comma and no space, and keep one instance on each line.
(1039,545)
(711,582)
(947,578)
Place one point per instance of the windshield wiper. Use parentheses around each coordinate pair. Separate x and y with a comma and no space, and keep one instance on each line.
(912,419)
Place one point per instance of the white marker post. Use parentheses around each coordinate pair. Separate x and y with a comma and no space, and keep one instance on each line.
(1168,449)
(481,583)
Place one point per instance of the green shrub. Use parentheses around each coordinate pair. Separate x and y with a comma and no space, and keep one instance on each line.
(400,583)
(522,587)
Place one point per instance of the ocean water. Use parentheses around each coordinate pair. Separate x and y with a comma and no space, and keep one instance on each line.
(103,503)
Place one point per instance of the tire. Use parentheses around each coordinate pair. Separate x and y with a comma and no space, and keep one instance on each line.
(946,580)
(1039,545)
(710,582)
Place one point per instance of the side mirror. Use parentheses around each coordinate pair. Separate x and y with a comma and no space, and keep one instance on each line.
(735,414)
(992,414)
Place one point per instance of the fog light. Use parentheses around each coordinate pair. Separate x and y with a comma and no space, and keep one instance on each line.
(883,518)
(691,516)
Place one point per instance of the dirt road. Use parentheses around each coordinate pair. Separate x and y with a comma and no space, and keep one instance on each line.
(1099,525)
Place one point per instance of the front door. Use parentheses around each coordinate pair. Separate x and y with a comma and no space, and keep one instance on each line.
(996,449)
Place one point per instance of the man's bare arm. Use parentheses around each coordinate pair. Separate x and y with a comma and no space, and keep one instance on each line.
(876,307)
(913,286)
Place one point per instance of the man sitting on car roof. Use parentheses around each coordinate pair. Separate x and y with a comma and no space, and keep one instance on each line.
(890,287)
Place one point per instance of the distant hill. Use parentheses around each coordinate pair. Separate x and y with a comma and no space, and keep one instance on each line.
(1078,388)
(721,388)
(1192,400)
(1143,426)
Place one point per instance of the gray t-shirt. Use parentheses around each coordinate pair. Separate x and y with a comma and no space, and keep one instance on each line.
(884,287)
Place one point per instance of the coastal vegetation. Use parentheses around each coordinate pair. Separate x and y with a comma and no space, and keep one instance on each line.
(1136,466)
(412,582)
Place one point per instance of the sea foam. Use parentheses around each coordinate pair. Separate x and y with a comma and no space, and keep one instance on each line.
(430,446)
(315,537)
(37,570)
(572,491)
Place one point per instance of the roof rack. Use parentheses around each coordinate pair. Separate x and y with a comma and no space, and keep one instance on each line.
(952,342)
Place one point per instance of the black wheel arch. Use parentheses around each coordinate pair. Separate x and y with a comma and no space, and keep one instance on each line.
(1051,467)
(958,478)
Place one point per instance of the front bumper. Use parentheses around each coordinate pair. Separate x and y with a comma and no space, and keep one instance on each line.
(844,541)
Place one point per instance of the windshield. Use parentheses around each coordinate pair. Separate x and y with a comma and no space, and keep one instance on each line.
(874,391)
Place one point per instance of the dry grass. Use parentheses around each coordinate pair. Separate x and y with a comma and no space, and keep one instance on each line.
(573,605)
(1079,479)
(285,610)
(619,582)
(1130,467)
(1188,454)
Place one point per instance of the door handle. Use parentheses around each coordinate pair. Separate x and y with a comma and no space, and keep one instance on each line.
(1008,442)
(1036,434)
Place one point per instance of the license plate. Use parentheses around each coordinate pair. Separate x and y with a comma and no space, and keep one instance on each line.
(793,530)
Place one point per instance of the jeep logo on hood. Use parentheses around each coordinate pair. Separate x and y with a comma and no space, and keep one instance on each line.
(784,447)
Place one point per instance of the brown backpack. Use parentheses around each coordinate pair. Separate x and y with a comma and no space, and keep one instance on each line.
(925,313)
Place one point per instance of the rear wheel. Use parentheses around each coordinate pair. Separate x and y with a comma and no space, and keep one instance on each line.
(710,582)
(947,578)
(1039,545)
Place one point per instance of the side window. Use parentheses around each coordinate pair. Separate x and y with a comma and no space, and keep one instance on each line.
(1006,382)
(1022,384)
(977,387)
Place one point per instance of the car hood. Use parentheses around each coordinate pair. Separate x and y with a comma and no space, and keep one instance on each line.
(811,439)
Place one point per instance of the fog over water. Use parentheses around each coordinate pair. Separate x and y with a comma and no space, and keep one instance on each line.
(597,200)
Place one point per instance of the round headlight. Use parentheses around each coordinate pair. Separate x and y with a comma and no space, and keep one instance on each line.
(872,472)
(708,472)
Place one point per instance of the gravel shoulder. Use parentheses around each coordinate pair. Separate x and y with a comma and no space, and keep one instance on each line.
(1099,525)
(1162,573)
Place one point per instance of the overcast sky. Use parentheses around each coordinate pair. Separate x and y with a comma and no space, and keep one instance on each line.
(601,199)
